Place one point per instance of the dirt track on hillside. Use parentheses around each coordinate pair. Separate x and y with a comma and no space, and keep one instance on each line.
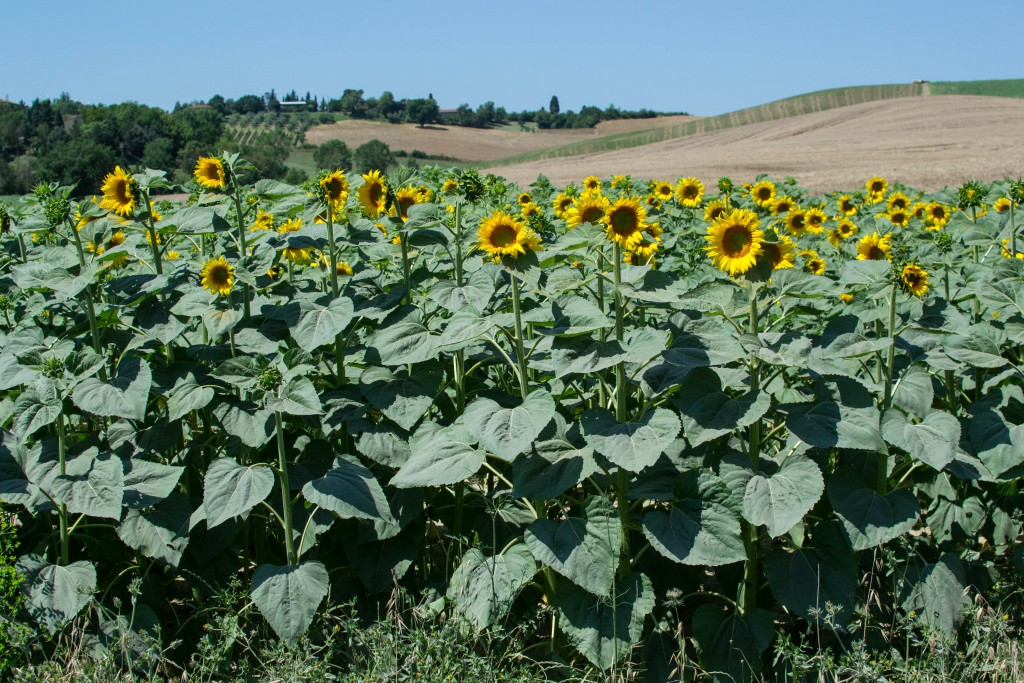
(925,142)
(472,144)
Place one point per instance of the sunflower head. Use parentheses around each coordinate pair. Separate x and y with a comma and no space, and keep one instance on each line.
(333,190)
(530,210)
(450,186)
(846,228)
(778,255)
(1002,205)
(735,241)
(502,235)
(120,192)
(815,220)
(210,173)
(915,278)
(405,198)
(898,217)
(592,183)
(373,193)
(624,221)
(815,266)
(874,247)
(663,190)
(689,192)
(763,193)
(971,195)
(897,200)
(561,204)
(783,204)
(587,208)
(264,221)
(218,276)
(714,210)
(876,188)
(796,222)
(846,205)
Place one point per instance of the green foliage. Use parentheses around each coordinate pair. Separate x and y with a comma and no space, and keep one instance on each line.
(373,155)
(552,444)
(11,632)
(333,154)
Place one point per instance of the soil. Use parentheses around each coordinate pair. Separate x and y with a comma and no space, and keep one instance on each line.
(924,142)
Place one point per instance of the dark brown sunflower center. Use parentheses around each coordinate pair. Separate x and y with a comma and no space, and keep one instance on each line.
(912,278)
(333,188)
(875,253)
(876,186)
(624,221)
(689,192)
(814,219)
(773,253)
(403,205)
(219,275)
(736,241)
(716,212)
(121,192)
(503,235)
(797,223)
(764,194)
(899,217)
(375,193)
(592,214)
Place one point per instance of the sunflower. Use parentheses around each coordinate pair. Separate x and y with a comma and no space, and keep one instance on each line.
(120,192)
(874,247)
(652,200)
(449,186)
(915,278)
(763,193)
(561,204)
(843,231)
(619,181)
(218,276)
(663,190)
(335,189)
(1001,205)
(502,235)
(210,173)
(778,254)
(524,198)
(689,192)
(846,297)
(82,220)
(373,193)
(898,217)
(295,255)
(815,266)
(264,221)
(645,248)
(172,255)
(624,221)
(713,210)
(406,197)
(846,205)
(735,241)
(588,208)
(919,211)
(897,200)
(938,214)
(796,222)
(876,187)
(531,209)
(341,267)
(815,220)
(783,204)
(592,183)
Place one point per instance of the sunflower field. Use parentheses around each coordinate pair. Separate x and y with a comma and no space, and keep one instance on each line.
(659,423)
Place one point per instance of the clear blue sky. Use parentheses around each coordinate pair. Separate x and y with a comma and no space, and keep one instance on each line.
(668,56)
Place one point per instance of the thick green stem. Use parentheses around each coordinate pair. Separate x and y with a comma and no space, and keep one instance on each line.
(1013,233)
(151,228)
(243,246)
(524,385)
(62,511)
(286,496)
(882,475)
(332,257)
(751,534)
(406,267)
(622,481)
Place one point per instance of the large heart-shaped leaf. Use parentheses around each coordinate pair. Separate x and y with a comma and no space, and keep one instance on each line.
(288,596)
(807,580)
(730,645)
(125,396)
(604,629)
(630,445)
(552,468)
(777,496)
(934,441)
(440,456)
(297,396)
(404,342)
(349,490)
(482,588)
(507,432)
(828,424)
(93,485)
(402,396)
(54,595)
(699,529)
(936,593)
(869,518)
(321,324)
(583,549)
(230,489)
(36,407)
(160,533)
(708,412)
(187,395)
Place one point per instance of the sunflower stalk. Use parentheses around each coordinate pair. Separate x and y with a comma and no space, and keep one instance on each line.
(751,535)
(62,510)
(243,247)
(90,307)
(622,480)
(151,229)
(332,255)
(286,496)
(882,484)
(524,387)
(459,371)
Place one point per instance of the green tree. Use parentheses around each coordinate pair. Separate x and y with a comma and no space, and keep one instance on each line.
(352,103)
(373,155)
(553,107)
(421,111)
(333,154)
(81,161)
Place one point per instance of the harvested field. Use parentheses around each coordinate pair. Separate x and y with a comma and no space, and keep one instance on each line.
(925,142)
(472,144)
